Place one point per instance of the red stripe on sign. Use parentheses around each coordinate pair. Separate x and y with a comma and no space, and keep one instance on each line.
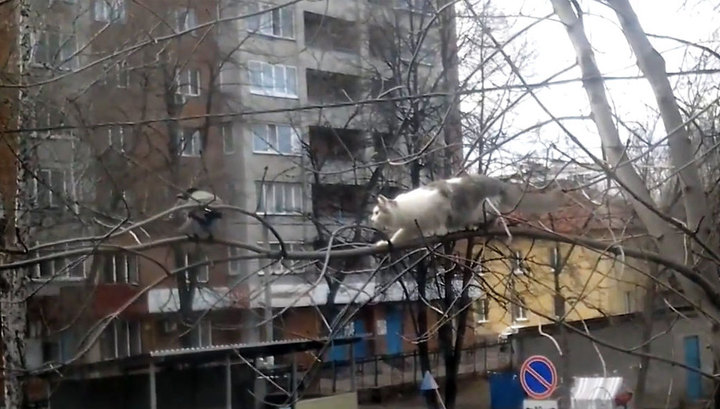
(538,377)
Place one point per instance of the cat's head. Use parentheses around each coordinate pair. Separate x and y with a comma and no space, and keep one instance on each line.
(383,215)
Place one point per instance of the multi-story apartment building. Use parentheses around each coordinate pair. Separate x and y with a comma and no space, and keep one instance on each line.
(259,102)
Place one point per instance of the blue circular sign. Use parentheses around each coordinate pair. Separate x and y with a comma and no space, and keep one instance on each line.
(538,377)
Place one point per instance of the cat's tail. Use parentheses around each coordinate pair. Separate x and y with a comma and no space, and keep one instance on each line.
(517,198)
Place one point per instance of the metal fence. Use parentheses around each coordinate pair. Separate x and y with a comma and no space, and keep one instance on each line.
(404,369)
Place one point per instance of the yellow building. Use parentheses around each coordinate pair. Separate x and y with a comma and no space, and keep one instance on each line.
(521,286)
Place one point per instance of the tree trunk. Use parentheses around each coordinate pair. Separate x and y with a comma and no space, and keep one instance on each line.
(697,214)
(669,242)
(186,285)
(13,298)
(647,329)
(13,315)
(422,328)
(453,154)
(652,64)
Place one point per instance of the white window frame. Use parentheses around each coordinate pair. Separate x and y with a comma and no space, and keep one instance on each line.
(191,147)
(201,330)
(185,19)
(267,189)
(629,301)
(517,268)
(483,310)
(59,264)
(262,79)
(228,148)
(279,268)
(128,261)
(264,24)
(184,82)
(520,312)
(66,48)
(554,258)
(234,266)
(271,139)
(222,78)
(121,133)
(203,274)
(122,75)
(46,174)
(129,342)
(108,11)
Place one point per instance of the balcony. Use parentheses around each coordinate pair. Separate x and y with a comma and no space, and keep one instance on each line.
(338,204)
(326,87)
(331,34)
(339,153)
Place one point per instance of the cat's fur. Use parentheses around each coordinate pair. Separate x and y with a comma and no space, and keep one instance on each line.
(459,203)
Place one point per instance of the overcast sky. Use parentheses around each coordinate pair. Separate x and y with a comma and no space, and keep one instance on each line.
(692,20)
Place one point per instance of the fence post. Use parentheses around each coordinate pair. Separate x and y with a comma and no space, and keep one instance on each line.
(334,371)
(474,353)
(352,367)
(376,370)
(415,367)
(485,365)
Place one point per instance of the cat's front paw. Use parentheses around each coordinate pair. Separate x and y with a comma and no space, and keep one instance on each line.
(381,244)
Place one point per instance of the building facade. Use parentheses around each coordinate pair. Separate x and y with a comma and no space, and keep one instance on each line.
(267,104)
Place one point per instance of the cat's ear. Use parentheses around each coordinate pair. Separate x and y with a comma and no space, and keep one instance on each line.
(382,200)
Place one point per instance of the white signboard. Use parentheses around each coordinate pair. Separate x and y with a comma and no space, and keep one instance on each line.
(539,404)
(381,327)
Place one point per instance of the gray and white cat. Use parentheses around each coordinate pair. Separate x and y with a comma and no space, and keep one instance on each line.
(459,203)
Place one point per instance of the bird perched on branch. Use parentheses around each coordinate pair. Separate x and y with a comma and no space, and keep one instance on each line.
(201,222)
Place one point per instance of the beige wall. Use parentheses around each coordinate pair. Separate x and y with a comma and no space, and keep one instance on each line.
(592,284)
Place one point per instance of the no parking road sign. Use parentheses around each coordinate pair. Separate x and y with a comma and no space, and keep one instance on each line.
(538,377)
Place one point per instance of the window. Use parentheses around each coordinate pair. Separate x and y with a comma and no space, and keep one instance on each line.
(120,269)
(285,266)
(202,334)
(188,83)
(519,310)
(554,259)
(226,130)
(517,265)
(416,6)
(59,268)
(483,310)
(123,75)
(275,138)
(203,271)
(189,142)
(279,22)
(109,10)
(274,80)
(234,266)
(629,302)
(121,339)
(59,348)
(50,188)
(280,198)
(185,19)
(224,77)
(55,49)
(118,137)
(50,118)
(425,55)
